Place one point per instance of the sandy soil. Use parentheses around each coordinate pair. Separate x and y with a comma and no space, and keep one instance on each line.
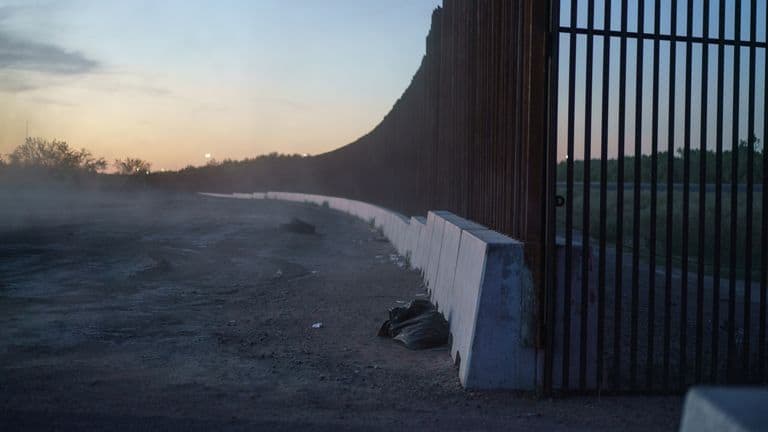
(179,312)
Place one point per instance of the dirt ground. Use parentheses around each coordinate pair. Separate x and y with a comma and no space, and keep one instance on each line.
(182,312)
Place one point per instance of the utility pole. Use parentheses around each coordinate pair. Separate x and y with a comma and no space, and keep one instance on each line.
(27,132)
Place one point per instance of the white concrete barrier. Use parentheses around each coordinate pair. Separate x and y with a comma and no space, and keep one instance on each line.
(398,232)
(415,227)
(423,243)
(477,278)
(487,315)
(435,221)
(217,195)
(446,228)
(711,409)
(444,271)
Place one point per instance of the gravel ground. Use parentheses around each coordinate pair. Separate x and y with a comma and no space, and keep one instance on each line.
(181,312)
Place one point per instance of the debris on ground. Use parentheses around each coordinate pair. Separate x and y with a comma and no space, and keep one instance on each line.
(298,226)
(317,325)
(417,325)
(397,260)
(155,267)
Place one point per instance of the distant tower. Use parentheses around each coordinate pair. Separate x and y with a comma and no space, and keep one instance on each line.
(26,137)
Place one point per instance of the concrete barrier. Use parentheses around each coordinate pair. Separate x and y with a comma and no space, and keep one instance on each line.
(217,195)
(444,271)
(413,233)
(476,277)
(421,252)
(710,409)
(397,232)
(487,314)
(446,229)
(435,221)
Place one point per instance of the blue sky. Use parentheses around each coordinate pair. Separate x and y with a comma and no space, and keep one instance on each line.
(172,80)
(664,62)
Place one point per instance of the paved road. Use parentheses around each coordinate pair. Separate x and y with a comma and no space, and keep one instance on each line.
(153,312)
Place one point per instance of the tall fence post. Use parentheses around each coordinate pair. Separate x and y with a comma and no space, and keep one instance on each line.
(534,107)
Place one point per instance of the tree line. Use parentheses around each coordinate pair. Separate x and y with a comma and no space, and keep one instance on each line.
(274,171)
(38,160)
(678,165)
(59,157)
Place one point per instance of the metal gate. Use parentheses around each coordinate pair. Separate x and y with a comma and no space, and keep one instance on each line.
(657,225)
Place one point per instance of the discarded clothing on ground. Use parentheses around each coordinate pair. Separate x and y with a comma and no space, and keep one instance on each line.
(417,325)
(298,226)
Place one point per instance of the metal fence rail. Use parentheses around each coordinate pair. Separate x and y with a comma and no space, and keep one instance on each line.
(654,127)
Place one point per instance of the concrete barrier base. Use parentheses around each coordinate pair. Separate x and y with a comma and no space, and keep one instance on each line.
(476,277)
(720,409)
(486,313)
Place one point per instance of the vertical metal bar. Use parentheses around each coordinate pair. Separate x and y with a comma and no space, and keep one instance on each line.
(586,208)
(764,224)
(718,199)
(686,202)
(654,198)
(603,197)
(702,198)
(569,200)
(636,197)
(734,194)
(750,186)
(670,195)
(620,197)
(550,256)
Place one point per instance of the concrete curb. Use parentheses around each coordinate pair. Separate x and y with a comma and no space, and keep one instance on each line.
(725,409)
(475,276)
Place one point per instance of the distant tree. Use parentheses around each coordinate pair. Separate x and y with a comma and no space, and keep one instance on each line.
(132,166)
(41,153)
(696,157)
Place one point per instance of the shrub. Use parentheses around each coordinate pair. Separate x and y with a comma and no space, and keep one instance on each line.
(132,166)
(57,155)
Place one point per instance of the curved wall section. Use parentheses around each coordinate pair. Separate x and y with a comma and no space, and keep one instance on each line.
(468,134)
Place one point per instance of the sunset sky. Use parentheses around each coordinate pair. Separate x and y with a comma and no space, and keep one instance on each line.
(170,81)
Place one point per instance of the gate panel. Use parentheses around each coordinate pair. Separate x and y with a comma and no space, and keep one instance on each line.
(656,221)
